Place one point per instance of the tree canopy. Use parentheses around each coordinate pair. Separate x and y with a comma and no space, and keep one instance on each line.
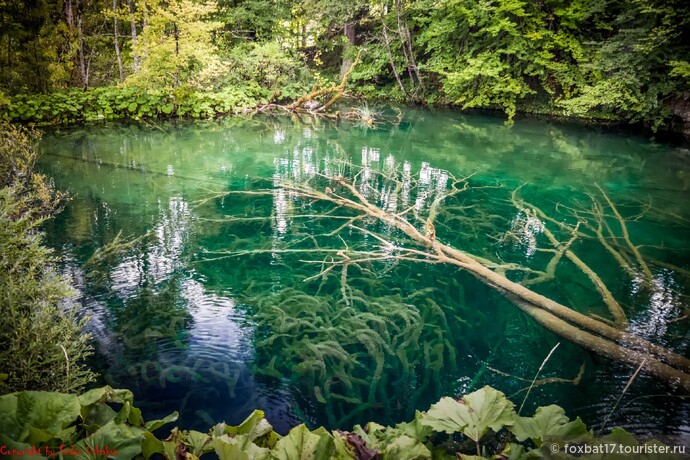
(601,59)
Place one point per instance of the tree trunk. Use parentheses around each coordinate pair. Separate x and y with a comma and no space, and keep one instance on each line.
(583,330)
(406,40)
(117,43)
(387,43)
(69,14)
(132,22)
(176,34)
(350,33)
(80,42)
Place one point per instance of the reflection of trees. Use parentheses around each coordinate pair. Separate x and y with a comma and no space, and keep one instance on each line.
(140,280)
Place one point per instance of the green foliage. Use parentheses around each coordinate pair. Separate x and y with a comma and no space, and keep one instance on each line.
(254,19)
(114,103)
(270,67)
(88,424)
(632,69)
(497,54)
(606,59)
(104,423)
(176,46)
(42,344)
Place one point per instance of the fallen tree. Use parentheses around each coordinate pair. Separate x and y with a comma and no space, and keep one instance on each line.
(420,244)
(319,101)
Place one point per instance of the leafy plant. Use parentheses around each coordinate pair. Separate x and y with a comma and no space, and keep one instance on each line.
(115,103)
(103,423)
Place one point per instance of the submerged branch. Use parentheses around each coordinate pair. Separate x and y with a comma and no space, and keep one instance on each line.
(585,331)
(423,245)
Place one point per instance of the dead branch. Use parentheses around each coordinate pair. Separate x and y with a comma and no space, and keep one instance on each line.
(626,236)
(336,90)
(590,333)
(576,327)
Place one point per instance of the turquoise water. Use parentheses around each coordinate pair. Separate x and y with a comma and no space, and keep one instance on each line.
(215,306)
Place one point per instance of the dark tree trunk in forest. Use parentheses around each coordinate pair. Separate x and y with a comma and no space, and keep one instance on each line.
(8,68)
(117,43)
(176,33)
(83,70)
(69,14)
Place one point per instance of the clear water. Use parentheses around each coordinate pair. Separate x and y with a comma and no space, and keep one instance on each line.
(189,328)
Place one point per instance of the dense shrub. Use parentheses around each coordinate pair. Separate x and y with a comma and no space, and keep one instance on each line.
(42,342)
(269,66)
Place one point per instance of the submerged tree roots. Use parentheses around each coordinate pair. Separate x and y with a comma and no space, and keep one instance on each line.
(353,201)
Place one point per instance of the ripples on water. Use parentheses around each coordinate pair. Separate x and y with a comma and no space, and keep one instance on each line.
(180,333)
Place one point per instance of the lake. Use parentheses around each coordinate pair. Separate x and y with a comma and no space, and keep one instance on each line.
(226,291)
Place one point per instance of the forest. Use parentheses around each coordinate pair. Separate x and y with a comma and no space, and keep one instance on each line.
(83,60)
(363,229)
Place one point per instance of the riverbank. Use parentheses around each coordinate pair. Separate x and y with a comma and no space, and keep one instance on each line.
(73,107)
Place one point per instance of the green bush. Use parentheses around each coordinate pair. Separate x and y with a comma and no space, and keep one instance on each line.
(271,67)
(42,342)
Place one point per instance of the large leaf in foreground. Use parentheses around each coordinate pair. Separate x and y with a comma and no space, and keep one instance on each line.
(473,415)
(239,447)
(548,421)
(29,416)
(302,444)
(113,440)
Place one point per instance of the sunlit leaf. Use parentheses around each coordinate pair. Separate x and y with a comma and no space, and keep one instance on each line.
(548,421)
(473,415)
(303,444)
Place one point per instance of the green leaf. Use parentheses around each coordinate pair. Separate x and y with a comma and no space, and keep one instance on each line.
(228,451)
(254,426)
(406,448)
(152,445)
(12,445)
(302,444)
(548,421)
(343,449)
(153,425)
(415,429)
(132,107)
(514,451)
(473,415)
(198,443)
(113,440)
(106,394)
(167,109)
(239,448)
(42,410)
(94,416)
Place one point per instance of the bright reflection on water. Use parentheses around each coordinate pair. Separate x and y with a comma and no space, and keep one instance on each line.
(179,329)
